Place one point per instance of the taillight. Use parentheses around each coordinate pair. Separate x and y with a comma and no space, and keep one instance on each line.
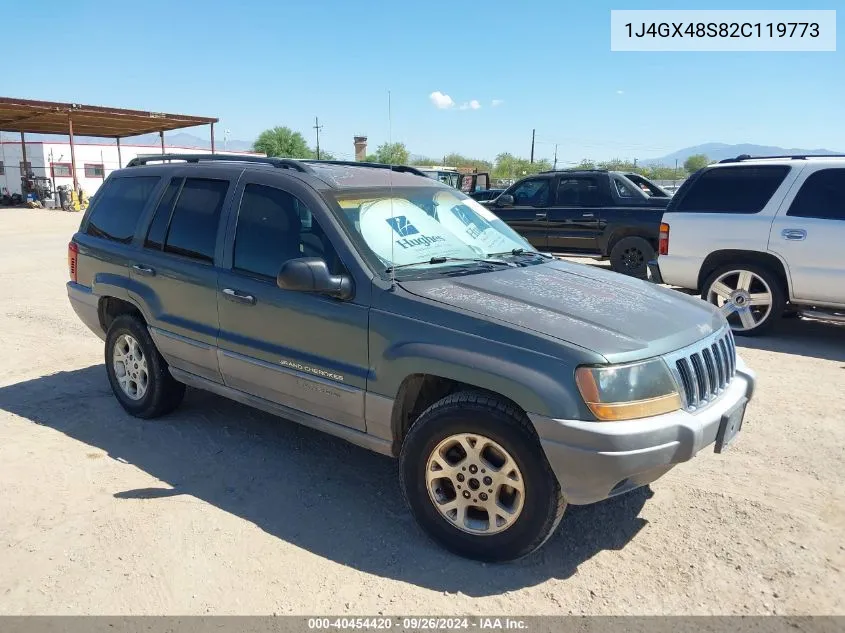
(72,257)
(663,246)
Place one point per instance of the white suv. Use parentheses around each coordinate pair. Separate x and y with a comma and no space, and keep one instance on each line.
(758,237)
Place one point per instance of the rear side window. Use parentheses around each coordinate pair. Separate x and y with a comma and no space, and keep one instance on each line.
(161,219)
(822,196)
(733,189)
(193,224)
(581,191)
(119,205)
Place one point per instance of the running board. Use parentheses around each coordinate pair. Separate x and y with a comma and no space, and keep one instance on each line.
(833,317)
(359,438)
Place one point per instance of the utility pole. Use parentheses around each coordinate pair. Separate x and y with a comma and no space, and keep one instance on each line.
(555,165)
(532,145)
(317,127)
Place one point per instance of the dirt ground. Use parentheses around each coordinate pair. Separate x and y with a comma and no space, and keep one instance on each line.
(222,509)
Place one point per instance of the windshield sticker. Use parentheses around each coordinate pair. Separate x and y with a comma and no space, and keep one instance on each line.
(400,232)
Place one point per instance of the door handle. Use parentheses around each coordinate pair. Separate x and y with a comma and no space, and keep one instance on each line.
(588,215)
(794,235)
(540,216)
(144,270)
(238,297)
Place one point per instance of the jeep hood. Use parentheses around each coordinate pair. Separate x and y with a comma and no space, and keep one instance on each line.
(619,317)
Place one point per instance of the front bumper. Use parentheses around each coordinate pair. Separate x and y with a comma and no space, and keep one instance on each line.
(654,272)
(597,460)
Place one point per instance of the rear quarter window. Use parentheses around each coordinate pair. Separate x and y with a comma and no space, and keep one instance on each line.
(118,207)
(739,189)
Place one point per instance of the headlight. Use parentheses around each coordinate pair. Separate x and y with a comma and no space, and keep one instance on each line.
(626,392)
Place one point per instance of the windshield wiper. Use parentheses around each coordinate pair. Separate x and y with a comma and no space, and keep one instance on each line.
(443,260)
(521,251)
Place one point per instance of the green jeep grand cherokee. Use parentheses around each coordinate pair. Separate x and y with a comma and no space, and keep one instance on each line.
(399,314)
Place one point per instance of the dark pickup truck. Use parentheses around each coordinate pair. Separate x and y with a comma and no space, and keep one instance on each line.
(587,213)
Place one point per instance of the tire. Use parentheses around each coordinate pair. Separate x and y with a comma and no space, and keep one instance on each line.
(763,280)
(495,425)
(630,256)
(161,392)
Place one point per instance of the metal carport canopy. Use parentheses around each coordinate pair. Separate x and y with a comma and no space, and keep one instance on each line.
(74,119)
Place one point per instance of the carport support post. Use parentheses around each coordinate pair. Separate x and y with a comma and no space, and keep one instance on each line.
(119,161)
(212,137)
(23,149)
(72,153)
(161,136)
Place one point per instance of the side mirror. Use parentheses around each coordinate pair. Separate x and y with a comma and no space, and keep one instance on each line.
(311,274)
(504,200)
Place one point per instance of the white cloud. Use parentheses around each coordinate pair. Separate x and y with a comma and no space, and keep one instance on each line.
(496,102)
(471,105)
(620,92)
(441,101)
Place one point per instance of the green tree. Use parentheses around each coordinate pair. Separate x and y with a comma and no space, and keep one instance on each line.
(392,154)
(696,162)
(423,160)
(324,155)
(283,142)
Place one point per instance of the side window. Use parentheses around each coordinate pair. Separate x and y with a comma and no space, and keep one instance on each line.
(740,189)
(822,196)
(622,189)
(532,193)
(193,224)
(161,220)
(119,205)
(273,227)
(582,191)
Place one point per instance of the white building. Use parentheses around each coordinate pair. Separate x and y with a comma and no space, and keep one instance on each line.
(94,161)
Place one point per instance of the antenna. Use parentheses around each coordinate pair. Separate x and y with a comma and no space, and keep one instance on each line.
(390,181)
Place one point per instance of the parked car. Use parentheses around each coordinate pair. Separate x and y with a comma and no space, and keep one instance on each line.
(401,315)
(595,213)
(758,237)
(487,194)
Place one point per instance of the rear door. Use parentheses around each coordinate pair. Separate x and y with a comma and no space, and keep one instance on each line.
(302,350)
(808,233)
(574,221)
(529,212)
(174,274)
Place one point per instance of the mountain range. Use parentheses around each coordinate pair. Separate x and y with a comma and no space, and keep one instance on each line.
(713,151)
(718,151)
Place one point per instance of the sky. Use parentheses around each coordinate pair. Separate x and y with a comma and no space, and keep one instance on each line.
(468,78)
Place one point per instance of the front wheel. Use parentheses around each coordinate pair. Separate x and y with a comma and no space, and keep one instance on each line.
(476,479)
(750,296)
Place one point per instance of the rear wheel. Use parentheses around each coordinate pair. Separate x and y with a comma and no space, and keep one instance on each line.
(750,296)
(476,479)
(630,256)
(138,374)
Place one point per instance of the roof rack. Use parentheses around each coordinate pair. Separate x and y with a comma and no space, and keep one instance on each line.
(743,157)
(356,163)
(565,169)
(282,163)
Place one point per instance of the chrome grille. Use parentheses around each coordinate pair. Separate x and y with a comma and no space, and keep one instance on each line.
(704,370)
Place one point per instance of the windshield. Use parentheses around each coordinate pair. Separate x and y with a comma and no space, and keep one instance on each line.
(414,225)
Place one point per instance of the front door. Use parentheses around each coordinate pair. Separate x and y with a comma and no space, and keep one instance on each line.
(305,351)
(574,218)
(809,235)
(528,215)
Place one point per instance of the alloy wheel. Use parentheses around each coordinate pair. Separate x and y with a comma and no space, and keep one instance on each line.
(475,484)
(130,366)
(744,297)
